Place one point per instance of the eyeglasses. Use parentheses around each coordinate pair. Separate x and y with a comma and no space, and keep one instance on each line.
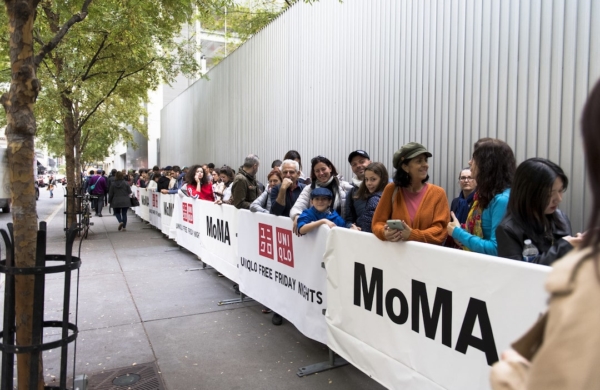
(465,178)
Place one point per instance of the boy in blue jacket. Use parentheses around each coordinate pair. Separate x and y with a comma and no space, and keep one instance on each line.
(319,213)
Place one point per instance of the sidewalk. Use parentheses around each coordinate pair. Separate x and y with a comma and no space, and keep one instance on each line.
(139,304)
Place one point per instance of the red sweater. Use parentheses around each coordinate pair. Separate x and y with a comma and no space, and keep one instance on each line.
(430,222)
(206,192)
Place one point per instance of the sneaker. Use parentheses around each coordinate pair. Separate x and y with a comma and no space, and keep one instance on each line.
(124,230)
(277,319)
(120,226)
(99,215)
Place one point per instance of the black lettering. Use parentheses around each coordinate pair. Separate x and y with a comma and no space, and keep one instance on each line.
(441,304)
(389,306)
(208,226)
(477,310)
(319,298)
(376,286)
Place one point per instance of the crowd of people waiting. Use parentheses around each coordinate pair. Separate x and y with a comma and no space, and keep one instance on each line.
(502,209)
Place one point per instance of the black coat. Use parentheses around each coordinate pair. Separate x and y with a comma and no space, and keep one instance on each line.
(118,195)
(510,236)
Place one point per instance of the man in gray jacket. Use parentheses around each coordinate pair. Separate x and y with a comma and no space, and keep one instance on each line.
(244,189)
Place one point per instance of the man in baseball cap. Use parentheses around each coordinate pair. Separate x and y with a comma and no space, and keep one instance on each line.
(359,160)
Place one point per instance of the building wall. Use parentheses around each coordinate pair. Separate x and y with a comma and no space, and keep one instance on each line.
(332,77)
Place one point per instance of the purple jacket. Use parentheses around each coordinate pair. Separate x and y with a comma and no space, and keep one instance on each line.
(101,187)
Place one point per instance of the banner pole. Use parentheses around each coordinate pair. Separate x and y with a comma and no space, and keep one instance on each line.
(334,361)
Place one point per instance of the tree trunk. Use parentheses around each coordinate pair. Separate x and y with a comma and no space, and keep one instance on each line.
(18,103)
(72,166)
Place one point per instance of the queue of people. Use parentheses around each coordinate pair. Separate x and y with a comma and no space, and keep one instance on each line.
(503,209)
(498,209)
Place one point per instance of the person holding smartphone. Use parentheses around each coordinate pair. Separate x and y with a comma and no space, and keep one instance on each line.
(419,210)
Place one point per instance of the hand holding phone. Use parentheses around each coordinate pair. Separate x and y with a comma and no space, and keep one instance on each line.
(395,224)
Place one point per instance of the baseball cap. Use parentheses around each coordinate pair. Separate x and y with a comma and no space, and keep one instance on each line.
(168,168)
(321,192)
(358,153)
(408,151)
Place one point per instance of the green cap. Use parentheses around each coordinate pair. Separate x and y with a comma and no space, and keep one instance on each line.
(408,151)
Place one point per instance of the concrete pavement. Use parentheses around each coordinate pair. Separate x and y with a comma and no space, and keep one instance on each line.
(139,304)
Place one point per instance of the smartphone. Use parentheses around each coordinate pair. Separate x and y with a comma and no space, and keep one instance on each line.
(395,224)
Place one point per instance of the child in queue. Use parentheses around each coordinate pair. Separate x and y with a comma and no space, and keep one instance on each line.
(319,214)
(376,178)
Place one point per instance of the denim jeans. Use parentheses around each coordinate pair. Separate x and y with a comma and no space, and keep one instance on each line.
(121,214)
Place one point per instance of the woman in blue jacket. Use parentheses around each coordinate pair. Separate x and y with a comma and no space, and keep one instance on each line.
(493,167)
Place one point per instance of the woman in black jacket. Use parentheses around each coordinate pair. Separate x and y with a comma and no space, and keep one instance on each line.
(119,197)
(533,214)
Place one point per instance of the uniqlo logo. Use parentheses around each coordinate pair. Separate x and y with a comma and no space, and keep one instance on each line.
(285,249)
(265,240)
(188,213)
(154,200)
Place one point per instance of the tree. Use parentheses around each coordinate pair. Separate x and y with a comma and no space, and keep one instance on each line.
(27,51)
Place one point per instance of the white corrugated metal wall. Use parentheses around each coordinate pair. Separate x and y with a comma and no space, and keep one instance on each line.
(333,77)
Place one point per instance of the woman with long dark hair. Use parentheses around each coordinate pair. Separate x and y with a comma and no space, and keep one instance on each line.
(533,214)
(493,167)
(421,208)
(323,175)
(198,185)
(561,349)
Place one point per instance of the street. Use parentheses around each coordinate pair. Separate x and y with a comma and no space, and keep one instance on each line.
(46,209)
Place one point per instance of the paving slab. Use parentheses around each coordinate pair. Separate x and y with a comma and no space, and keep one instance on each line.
(241,349)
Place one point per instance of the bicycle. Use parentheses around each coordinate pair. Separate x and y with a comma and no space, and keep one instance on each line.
(86,214)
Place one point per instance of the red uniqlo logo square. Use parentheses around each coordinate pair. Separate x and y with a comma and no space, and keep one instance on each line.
(188,213)
(154,200)
(285,249)
(265,240)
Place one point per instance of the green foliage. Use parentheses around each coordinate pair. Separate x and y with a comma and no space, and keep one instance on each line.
(105,66)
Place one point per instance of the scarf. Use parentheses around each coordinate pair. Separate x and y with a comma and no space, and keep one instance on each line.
(463,206)
(473,224)
(355,181)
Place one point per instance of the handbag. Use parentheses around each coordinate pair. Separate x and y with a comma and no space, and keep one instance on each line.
(134,201)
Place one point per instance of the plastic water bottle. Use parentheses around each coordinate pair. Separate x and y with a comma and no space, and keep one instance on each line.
(529,251)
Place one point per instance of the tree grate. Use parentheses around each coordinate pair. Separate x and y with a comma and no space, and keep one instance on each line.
(145,376)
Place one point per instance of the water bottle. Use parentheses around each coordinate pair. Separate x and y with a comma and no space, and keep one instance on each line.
(529,251)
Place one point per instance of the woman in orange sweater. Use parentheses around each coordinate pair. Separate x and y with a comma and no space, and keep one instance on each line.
(422,207)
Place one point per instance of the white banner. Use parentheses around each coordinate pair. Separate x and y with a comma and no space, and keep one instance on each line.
(284,272)
(186,217)
(167,206)
(154,214)
(218,225)
(144,208)
(419,316)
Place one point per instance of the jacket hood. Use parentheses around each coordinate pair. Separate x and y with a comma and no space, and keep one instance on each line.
(119,183)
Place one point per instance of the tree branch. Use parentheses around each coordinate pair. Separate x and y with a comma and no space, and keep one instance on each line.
(62,32)
(117,81)
(94,58)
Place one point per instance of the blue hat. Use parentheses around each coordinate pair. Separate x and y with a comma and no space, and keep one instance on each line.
(321,192)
